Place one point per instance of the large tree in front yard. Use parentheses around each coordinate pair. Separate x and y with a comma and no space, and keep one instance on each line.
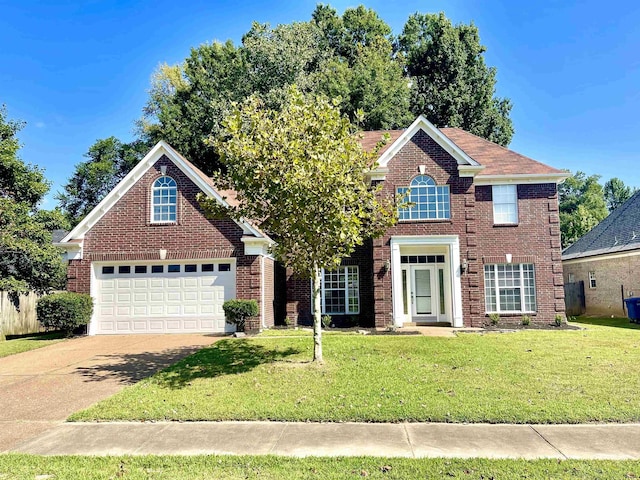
(301,171)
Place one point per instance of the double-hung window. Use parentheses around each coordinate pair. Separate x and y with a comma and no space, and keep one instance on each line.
(164,200)
(505,204)
(510,288)
(340,292)
(424,200)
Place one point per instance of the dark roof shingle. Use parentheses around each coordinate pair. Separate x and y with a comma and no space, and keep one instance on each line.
(619,232)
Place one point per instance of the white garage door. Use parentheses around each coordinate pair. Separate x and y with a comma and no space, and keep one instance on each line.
(177,297)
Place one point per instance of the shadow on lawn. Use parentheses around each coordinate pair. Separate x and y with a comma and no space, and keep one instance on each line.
(608,322)
(223,358)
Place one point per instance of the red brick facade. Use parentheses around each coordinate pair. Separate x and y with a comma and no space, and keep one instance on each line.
(535,239)
(125,232)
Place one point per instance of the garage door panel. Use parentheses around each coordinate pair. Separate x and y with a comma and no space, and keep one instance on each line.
(156,296)
(163,302)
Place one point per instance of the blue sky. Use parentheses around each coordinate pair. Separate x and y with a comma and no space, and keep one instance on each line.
(80,71)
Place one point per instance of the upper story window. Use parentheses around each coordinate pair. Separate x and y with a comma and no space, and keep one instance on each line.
(164,200)
(424,200)
(505,204)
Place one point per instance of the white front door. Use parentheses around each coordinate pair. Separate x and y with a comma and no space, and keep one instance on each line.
(423,288)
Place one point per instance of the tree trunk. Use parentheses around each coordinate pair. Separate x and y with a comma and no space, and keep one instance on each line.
(317,317)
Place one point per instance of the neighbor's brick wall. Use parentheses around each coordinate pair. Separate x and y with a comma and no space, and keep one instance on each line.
(125,232)
(614,277)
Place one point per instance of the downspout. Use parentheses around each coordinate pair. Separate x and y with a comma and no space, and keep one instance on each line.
(262,285)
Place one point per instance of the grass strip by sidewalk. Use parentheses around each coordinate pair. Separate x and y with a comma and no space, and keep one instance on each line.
(29,342)
(525,377)
(14,467)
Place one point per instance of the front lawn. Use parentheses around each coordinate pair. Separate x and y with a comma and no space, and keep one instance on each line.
(268,467)
(569,376)
(26,343)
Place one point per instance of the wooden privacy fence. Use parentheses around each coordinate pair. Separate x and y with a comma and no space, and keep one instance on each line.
(574,300)
(19,322)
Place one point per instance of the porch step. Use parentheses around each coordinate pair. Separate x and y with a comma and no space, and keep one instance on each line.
(426,324)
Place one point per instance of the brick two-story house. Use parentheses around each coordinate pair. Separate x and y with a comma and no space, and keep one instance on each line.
(481,235)
(478,233)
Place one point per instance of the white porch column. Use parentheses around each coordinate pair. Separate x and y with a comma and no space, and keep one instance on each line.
(396,285)
(456,294)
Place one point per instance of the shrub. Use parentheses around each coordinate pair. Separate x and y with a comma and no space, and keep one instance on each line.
(526,320)
(64,311)
(495,318)
(236,312)
(326,321)
(559,320)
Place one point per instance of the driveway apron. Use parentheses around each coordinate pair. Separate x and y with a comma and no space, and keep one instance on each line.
(41,388)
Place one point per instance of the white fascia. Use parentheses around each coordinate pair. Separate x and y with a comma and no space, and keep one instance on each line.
(521,179)
(451,241)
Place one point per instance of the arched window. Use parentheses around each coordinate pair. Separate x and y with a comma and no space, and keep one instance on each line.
(424,200)
(164,200)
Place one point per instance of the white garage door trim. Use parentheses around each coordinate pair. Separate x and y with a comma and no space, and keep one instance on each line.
(156,300)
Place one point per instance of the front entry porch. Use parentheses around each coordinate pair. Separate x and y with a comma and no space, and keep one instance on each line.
(426,286)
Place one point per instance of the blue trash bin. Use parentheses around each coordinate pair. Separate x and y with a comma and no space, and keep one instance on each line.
(633,309)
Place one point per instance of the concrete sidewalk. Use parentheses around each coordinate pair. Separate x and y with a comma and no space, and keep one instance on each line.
(611,441)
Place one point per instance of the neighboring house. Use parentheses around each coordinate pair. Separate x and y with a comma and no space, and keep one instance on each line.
(480,235)
(607,260)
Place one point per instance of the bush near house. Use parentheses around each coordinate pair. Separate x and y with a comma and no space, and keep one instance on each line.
(236,312)
(65,311)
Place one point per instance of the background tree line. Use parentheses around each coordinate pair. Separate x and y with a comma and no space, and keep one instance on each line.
(380,80)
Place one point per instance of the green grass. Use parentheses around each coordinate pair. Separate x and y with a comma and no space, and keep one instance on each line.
(277,468)
(302,332)
(30,342)
(569,376)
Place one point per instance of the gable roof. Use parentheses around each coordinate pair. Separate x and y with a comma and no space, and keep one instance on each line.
(487,160)
(619,232)
(203,182)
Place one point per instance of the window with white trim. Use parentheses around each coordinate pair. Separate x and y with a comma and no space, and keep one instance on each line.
(164,200)
(505,204)
(424,200)
(510,288)
(340,291)
(592,279)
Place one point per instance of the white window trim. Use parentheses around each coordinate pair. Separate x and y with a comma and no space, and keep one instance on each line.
(437,209)
(514,193)
(346,290)
(522,290)
(152,213)
(593,283)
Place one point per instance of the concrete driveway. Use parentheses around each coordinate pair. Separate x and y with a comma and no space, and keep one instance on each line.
(41,388)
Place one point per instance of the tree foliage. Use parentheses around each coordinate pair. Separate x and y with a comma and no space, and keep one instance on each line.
(616,193)
(582,206)
(108,161)
(437,69)
(452,85)
(28,259)
(301,170)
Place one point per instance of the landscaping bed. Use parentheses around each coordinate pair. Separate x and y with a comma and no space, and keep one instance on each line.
(527,377)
